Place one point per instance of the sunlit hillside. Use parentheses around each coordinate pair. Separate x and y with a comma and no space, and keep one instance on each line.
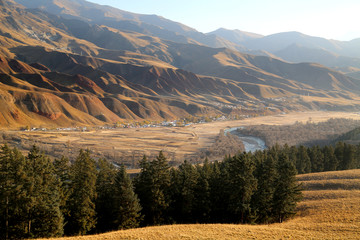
(330,210)
(69,69)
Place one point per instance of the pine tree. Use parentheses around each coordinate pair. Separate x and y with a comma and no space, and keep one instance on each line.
(293,154)
(83,195)
(127,207)
(161,182)
(357,155)
(7,184)
(183,186)
(219,196)
(303,163)
(285,149)
(262,199)
(12,194)
(143,185)
(105,188)
(44,218)
(330,161)
(175,196)
(21,179)
(62,171)
(316,159)
(241,186)
(349,161)
(287,192)
(152,187)
(274,151)
(202,204)
(339,153)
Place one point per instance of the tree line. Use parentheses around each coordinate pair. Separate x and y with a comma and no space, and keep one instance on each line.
(40,197)
(308,134)
(341,156)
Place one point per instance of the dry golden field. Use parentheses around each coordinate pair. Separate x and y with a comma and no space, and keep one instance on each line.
(180,142)
(330,210)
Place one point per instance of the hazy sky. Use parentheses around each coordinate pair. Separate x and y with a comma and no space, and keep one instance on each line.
(332,19)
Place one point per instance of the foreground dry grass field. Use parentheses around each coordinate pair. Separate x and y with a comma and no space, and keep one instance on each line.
(330,210)
(181,142)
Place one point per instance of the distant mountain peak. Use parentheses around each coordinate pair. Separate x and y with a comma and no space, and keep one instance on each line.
(235,36)
(222,29)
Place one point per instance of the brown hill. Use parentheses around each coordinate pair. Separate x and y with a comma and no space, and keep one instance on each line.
(125,21)
(31,108)
(45,94)
(62,71)
(297,53)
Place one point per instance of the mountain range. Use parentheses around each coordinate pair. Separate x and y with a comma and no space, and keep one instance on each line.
(72,62)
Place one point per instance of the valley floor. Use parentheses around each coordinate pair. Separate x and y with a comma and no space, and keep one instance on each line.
(179,142)
(330,210)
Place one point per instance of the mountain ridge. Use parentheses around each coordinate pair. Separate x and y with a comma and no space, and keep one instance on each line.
(343,55)
(236,36)
(59,71)
(148,24)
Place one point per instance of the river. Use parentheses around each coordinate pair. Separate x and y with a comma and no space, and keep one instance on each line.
(251,143)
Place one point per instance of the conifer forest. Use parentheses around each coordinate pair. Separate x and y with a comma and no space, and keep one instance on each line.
(43,197)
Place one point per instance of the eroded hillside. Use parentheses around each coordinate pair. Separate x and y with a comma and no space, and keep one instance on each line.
(69,69)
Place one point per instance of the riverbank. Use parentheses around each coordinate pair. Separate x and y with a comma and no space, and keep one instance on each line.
(251,143)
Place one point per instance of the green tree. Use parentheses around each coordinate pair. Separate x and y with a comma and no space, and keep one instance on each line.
(274,151)
(339,153)
(44,218)
(330,161)
(219,196)
(127,207)
(105,188)
(202,204)
(293,154)
(241,186)
(287,191)
(143,185)
(349,160)
(62,171)
(12,195)
(358,155)
(152,187)
(183,183)
(83,195)
(43,193)
(303,163)
(262,199)
(7,185)
(316,159)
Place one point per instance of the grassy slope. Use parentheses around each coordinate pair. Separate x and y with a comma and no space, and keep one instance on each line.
(330,210)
